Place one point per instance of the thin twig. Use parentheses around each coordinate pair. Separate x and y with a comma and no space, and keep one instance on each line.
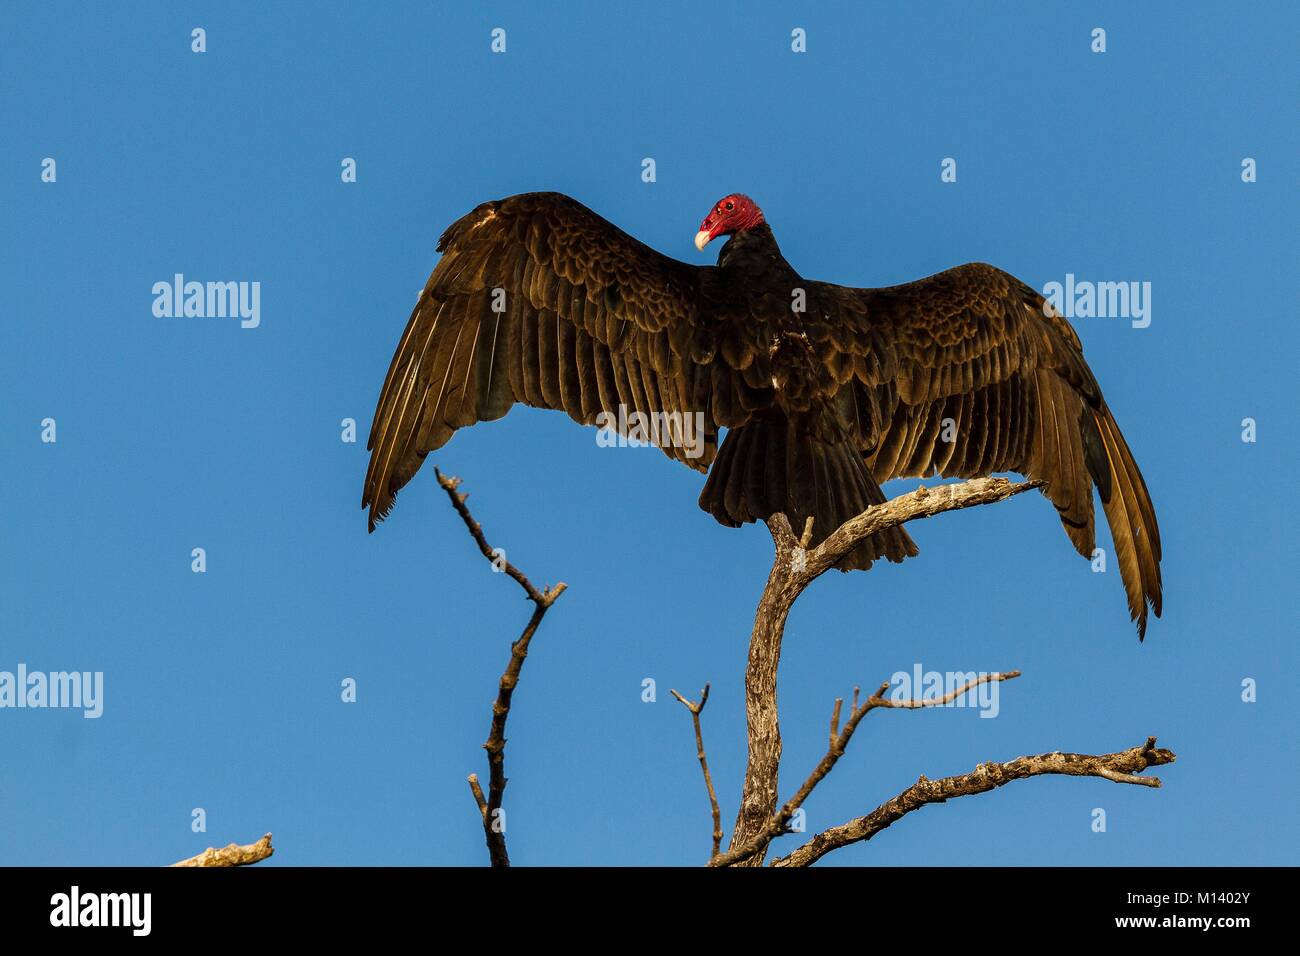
(476,788)
(704,764)
(493,826)
(450,484)
(1121,767)
(878,699)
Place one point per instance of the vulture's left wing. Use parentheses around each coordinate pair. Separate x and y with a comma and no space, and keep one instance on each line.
(968,373)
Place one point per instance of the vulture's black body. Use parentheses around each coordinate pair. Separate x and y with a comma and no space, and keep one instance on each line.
(821,405)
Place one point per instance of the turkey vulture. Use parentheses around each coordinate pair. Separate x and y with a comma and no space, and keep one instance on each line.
(825,391)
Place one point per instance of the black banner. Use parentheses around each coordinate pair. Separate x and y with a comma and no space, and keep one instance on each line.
(329,905)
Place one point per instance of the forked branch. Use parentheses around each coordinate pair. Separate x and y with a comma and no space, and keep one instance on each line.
(489,806)
(695,709)
(839,741)
(794,567)
(1121,767)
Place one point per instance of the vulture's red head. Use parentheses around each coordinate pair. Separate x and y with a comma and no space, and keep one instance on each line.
(730,214)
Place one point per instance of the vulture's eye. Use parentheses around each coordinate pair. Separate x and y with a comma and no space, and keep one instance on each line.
(730,204)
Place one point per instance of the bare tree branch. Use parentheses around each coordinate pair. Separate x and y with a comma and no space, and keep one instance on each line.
(1121,767)
(232,855)
(493,831)
(759,821)
(449,484)
(477,790)
(921,503)
(794,567)
(704,764)
(878,699)
(839,742)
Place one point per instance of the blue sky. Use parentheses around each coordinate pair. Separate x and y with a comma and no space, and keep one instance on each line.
(222,689)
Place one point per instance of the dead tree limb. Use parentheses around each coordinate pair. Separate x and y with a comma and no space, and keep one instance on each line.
(794,567)
(759,821)
(1121,767)
(232,855)
(490,805)
(839,741)
(704,764)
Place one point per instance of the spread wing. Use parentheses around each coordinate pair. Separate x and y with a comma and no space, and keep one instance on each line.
(537,299)
(966,373)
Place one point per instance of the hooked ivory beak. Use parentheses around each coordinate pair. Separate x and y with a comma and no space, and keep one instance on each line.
(701,240)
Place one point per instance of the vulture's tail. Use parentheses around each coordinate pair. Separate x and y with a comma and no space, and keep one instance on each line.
(771,465)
